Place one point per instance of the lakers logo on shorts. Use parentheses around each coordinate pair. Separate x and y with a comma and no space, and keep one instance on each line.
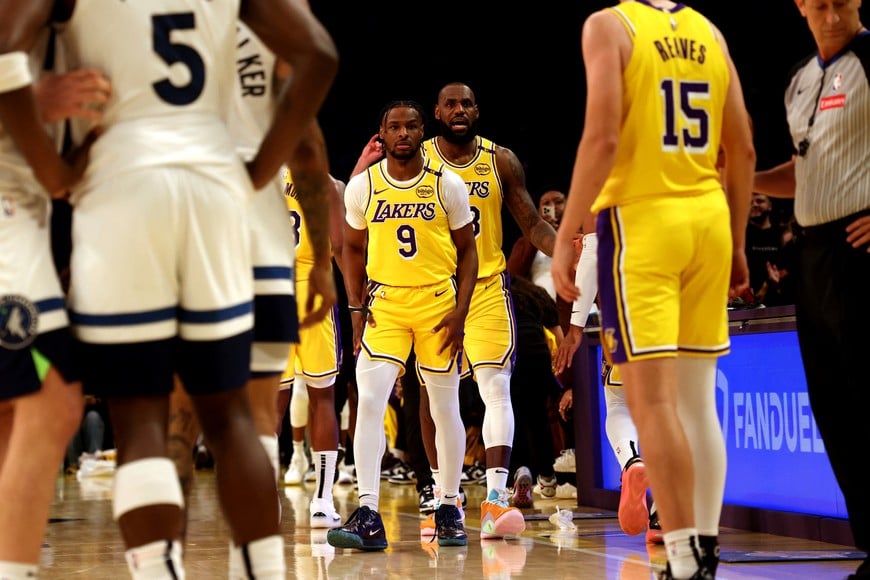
(18,322)
(610,341)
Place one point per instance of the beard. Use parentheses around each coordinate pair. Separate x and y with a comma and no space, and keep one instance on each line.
(449,135)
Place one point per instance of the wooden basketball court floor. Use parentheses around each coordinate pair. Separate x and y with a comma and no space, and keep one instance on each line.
(83,542)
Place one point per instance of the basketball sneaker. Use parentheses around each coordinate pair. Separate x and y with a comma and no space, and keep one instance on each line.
(299,465)
(522,496)
(449,527)
(323,514)
(498,519)
(654,534)
(427,526)
(364,530)
(546,486)
(633,513)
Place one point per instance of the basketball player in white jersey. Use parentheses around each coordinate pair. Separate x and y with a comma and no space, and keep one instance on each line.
(161,263)
(40,391)
(260,78)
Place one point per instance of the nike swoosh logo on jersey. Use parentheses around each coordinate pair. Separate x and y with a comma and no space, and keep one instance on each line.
(441,293)
(380,191)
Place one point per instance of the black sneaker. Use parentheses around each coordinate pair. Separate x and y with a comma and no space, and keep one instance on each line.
(654,533)
(403,477)
(701,574)
(448,526)
(364,530)
(427,500)
(463,496)
(709,552)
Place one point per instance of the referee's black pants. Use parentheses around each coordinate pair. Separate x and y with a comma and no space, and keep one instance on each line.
(833,324)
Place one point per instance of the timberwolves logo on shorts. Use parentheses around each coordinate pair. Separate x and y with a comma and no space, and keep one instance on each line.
(18,320)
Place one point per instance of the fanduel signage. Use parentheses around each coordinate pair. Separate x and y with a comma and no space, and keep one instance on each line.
(776,458)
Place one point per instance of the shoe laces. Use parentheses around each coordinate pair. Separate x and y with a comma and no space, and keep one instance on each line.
(498,496)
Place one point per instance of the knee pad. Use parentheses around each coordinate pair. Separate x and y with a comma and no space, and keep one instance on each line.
(498,418)
(146,482)
(299,403)
(494,386)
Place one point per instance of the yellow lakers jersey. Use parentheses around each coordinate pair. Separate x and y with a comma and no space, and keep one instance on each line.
(409,240)
(673,97)
(485,197)
(304,250)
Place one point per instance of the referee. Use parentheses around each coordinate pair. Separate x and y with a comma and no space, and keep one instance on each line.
(828,110)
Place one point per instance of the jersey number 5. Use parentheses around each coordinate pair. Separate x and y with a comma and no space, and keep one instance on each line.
(175,52)
(681,98)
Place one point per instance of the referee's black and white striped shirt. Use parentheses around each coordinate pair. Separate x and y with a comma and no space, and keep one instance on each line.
(828,110)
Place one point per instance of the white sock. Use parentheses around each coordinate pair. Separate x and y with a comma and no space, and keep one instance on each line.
(154,561)
(496,479)
(18,571)
(324,469)
(236,565)
(682,548)
(266,558)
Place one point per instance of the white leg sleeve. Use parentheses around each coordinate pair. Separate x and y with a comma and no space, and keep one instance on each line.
(697,410)
(498,418)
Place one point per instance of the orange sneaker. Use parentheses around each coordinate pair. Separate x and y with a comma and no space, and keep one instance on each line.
(633,513)
(498,519)
(427,526)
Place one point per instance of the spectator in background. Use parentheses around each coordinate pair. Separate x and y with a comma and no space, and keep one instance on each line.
(527,260)
(763,242)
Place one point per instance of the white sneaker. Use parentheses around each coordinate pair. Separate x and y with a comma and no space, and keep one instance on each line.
(299,465)
(566,462)
(546,487)
(345,474)
(323,514)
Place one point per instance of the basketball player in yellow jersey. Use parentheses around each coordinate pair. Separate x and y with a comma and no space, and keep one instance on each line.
(315,361)
(663,94)
(494,176)
(408,232)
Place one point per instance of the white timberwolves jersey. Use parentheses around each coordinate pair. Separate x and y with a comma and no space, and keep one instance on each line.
(171,64)
(254,102)
(272,242)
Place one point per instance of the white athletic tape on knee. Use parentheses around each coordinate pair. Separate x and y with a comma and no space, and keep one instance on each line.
(146,482)
(14,71)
